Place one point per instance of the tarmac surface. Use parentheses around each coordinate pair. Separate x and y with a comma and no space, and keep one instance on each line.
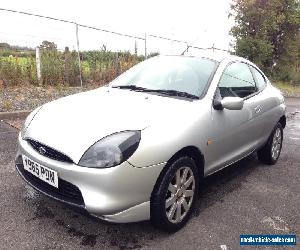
(245,198)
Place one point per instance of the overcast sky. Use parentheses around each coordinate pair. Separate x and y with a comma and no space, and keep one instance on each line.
(200,22)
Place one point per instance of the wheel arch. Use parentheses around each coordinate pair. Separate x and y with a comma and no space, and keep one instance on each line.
(282,121)
(191,151)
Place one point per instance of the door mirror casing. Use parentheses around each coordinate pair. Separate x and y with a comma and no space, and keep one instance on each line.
(232,103)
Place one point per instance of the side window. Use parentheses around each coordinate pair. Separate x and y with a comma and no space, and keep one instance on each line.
(260,80)
(237,80)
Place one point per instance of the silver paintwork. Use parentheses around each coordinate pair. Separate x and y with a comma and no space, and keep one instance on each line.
(105,191)
(122,193)
(232,103)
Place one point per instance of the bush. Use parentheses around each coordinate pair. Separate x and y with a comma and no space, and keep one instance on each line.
(286,73)
(15,71)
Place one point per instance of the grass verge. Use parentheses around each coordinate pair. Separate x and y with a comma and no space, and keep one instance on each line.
(288,89)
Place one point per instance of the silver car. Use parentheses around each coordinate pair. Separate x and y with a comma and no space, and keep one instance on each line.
(139,148)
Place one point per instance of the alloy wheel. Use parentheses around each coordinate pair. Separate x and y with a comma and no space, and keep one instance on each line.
(180,194)
(276,144)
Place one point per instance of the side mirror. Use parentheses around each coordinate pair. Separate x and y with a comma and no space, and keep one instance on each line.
(232,103)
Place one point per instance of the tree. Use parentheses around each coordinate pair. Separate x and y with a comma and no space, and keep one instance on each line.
(4,46)
(266,32)
(46,45)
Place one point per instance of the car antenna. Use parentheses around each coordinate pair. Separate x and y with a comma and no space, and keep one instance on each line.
(190,46)
(186,50)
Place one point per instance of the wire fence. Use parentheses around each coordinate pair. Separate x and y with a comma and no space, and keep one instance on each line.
(64,52)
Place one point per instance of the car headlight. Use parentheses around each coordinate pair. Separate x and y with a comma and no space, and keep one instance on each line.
(28,120)
(111,150)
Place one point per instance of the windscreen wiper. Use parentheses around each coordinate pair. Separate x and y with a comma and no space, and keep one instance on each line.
(169,92)
(131,87)
(172,92)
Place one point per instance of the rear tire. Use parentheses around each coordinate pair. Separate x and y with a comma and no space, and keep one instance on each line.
(174,195)
(270,152)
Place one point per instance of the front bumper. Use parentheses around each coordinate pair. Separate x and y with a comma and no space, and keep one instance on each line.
(118,194)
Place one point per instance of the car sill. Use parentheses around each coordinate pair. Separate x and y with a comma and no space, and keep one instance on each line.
(231,163)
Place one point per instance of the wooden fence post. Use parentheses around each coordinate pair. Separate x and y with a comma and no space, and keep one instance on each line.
(38,65)
(67,66)
(78,53)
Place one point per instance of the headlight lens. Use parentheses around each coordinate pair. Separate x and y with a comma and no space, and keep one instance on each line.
(28,120)
(111,150)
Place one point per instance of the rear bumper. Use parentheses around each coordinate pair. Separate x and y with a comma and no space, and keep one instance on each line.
(118,194)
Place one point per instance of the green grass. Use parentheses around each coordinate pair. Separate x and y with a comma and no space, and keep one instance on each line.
(23,61)
(288,88)
(97,68)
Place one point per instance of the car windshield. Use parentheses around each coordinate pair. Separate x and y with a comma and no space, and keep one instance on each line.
(169,74)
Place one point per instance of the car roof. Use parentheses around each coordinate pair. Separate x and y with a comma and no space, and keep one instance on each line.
(214,55)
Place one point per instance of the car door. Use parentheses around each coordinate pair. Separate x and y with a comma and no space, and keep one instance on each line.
(264,117)
(234,133)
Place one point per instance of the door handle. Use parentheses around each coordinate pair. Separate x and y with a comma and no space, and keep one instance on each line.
(257,109)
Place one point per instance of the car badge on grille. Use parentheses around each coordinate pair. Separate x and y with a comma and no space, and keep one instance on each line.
(42,150)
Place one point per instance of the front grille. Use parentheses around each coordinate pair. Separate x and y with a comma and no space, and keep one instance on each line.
(66,191)
(49,152)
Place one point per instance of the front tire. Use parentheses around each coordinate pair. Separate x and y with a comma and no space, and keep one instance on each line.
(270,152)
(174,195)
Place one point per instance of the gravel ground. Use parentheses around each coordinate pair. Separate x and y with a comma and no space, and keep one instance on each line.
(30,97)
(16,123)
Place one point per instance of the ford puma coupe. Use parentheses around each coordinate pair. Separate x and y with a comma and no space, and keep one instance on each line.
(138,148)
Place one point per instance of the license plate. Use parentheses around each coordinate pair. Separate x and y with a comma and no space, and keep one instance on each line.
(45,174)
